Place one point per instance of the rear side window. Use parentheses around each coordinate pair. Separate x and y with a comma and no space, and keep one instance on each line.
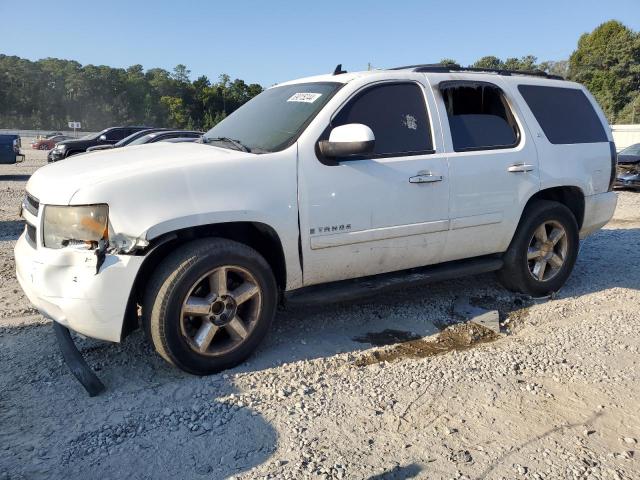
(564,114)
(397,115)
(479,116)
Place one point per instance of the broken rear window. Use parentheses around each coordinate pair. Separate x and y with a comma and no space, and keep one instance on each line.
(479,116)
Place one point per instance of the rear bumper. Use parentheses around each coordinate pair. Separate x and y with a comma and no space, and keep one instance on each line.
(64,286)
(598,210)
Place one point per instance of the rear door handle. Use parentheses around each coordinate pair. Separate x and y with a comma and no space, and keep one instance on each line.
(425,178)
(520,167)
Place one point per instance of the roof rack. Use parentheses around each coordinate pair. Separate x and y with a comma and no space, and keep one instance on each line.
(454,67)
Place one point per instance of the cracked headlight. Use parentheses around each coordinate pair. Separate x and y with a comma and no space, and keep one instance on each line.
(78,227)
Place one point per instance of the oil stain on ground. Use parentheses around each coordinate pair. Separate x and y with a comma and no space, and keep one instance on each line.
(408,345)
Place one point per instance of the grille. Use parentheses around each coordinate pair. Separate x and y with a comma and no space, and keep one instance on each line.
(31,205)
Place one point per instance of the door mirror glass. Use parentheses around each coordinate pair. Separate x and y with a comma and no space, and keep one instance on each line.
(348,140)
(103,138)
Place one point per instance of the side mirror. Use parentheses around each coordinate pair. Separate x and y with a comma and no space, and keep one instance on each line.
(103,138)
(348,140)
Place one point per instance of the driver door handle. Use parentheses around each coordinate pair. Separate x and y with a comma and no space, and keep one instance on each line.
(426,177)
(520,167)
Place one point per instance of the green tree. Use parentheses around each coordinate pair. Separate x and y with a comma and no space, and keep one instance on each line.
(607,62)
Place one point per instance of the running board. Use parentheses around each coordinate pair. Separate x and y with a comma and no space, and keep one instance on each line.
(75,362)
(346,290)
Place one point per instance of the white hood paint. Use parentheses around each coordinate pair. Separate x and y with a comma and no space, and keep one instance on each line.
(57,183)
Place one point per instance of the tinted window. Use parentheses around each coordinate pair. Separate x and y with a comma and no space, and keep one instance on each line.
(116,134)
(395,113)
(479,117)
(564,114)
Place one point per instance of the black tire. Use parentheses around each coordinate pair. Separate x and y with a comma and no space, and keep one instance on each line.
(516,275)
(173,280)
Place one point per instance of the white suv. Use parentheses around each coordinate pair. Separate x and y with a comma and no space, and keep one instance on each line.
(316,181)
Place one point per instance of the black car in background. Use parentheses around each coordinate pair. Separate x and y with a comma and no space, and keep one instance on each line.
(110,136)
(628,174)
(126,140)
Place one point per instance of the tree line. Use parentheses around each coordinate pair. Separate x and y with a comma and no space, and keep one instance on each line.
(47,93)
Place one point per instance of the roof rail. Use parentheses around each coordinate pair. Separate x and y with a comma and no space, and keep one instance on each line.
(454,67)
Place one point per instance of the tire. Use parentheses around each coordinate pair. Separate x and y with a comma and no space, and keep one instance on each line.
(523,269)
(197,329)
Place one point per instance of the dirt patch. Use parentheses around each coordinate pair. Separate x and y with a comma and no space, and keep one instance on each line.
(457,337)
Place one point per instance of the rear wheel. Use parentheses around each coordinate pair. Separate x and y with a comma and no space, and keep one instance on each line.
(543,251)
(209,305)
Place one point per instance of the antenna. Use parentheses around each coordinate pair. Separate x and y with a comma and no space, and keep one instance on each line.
(339,70)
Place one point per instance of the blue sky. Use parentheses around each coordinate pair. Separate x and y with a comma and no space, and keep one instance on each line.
(269,42)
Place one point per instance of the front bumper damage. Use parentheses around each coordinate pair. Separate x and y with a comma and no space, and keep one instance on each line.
(64,286)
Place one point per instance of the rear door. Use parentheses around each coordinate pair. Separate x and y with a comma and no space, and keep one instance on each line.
(493,164)
(384,211)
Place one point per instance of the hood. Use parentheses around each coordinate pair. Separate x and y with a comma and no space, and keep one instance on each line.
(58,182)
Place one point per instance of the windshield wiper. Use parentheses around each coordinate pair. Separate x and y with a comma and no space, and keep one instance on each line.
(236,143)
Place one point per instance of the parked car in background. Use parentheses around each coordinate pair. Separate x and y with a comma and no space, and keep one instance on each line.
(49,142)
(10,148)
(629,167)
(110,136)
(127,140)
(180,140)
(167,135)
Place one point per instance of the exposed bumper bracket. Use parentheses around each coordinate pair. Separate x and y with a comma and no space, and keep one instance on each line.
(76,363)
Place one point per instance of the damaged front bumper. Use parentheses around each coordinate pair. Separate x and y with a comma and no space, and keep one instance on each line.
(64,286)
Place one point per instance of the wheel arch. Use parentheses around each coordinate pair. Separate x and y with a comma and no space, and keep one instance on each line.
(570,196)
(259,236)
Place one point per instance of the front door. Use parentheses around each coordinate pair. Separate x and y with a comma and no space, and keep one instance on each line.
(382,212)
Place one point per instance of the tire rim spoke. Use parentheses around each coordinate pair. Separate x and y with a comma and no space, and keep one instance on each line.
(533,253)
(218,281)
(556,234)
(205,335)
(244,292)
(197,307)
(236,328)
(541,233)
(539,268)
(555,261)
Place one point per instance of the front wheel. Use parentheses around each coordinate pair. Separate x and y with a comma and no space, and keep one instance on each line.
(543,250)
(209,304)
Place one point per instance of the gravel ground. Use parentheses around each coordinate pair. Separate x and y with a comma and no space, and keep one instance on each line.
(554,395)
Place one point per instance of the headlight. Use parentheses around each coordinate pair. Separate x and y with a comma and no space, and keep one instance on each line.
(60,148)
(78,227)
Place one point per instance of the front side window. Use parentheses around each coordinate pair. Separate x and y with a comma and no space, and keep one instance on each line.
(397,115)
(115,134)
(272,120)
(479,116)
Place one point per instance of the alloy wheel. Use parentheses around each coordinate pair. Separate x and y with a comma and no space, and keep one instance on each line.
(220,310)
(547,251)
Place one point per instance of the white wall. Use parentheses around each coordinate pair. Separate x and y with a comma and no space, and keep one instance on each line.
(625,135)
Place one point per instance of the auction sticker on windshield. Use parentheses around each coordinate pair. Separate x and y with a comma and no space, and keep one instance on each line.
(304,97)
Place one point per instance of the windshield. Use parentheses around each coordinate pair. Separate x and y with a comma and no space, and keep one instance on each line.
(272,120)
(632,150)
(131,138)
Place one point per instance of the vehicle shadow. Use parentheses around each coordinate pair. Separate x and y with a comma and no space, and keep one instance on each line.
(11,229)
(14,178)
(151,422)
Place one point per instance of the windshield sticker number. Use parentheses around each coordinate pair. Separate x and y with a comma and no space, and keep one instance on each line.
(304,97)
